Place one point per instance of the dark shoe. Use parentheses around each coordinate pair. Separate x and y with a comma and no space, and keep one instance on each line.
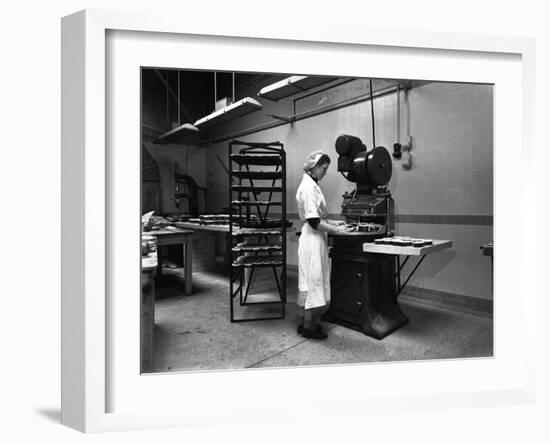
(314,333)
(300,328)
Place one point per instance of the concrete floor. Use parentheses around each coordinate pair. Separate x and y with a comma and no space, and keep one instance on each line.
(194,333)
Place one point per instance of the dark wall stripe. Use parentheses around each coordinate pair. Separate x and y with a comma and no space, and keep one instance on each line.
(469,220)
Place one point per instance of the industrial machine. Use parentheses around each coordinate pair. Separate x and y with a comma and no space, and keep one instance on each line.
(368,209)
(363,285)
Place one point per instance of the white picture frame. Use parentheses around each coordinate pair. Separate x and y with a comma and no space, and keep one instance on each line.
(86,214)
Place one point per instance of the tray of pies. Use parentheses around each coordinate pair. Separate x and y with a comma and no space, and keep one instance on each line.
(256,203)
(256,247)
(403,241)
(259,159)
(258,174)
(255,261)
(251,231)
(243,188)
(264,224)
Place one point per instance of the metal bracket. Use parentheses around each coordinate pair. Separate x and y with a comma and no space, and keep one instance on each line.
(400,286)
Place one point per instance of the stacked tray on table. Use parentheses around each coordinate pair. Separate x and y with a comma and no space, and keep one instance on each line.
(256,246)
(253,261)
(217,219)
(252,231)
(404,241)
(267,159)
(267,223)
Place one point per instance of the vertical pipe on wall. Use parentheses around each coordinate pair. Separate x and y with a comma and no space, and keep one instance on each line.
(408,112)
(398,115)
(372,114)
(167,102)
(215,90)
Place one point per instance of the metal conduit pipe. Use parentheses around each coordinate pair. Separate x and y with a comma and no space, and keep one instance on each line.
(398,116)
(215,89)
(307,114)
(372,114)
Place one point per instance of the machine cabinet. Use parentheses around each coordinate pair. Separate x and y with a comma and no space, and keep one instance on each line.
(364,293)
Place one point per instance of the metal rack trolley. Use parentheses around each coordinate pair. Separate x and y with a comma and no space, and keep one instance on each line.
(254,239)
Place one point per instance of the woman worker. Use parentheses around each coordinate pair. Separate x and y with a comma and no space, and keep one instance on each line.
(313,260)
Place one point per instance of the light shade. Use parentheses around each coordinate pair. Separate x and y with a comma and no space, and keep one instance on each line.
(235,110)
(292,85)
(185,131)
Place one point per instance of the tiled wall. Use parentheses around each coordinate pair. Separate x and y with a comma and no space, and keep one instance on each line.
(452,173)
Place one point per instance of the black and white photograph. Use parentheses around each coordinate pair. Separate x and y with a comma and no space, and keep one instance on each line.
(303,220)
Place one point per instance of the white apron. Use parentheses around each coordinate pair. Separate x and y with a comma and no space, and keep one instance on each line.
(313,259)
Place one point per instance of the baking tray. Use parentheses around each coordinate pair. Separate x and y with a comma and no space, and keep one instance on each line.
(248,231)
(260,160)
(239,188)
(257,174)
(258,261)
(256,203)
(257,248)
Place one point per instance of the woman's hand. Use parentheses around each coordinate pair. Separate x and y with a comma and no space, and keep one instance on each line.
(336,222)
(333,227)
(340,228)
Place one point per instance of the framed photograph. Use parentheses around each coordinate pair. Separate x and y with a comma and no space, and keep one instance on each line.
(427,136)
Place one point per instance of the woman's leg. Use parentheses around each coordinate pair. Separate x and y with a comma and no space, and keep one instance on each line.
(311,328)
(308,318)
(300,317)
(319,312)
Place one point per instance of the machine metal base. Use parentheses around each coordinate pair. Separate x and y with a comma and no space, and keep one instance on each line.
(364,294)
(377,328)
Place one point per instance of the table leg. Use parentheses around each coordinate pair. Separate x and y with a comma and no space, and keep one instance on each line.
(398,274)
(188,263)
(159,261)
(147,319)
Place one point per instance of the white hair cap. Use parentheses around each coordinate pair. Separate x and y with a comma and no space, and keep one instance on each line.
(311,160)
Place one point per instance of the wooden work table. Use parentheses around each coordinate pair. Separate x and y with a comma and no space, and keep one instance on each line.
(147,309)
(151,266)
(168,236)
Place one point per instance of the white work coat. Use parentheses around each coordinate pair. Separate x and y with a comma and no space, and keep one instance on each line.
(313,259)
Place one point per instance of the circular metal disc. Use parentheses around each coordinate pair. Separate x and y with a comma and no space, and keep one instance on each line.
(379,166)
